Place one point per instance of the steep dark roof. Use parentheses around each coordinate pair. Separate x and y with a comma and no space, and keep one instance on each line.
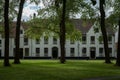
(82,25)
(13,28)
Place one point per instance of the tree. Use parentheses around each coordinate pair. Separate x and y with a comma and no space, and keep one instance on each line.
(115,17)
(17,38)
(6,26)
(118,46)
(62,32)
(54,11)
(103,29)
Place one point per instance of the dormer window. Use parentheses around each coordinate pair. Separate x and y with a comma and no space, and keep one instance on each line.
(92,39)
(21,31)
(45,40)
(110,39)
(37,41)
(54,40)
(84,39)
(25,41)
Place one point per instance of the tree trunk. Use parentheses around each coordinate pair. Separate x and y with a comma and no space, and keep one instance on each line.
(118,47)
(17,39)
(6,25)
(104,33)
(62,33)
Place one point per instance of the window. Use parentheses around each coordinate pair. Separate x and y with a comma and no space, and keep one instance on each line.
(72,42)
(0,43)
(45,40)
(84,50)
(0,52)
(92,39)
(110,51)
(37,41)
(84,39)
(72,52)
(45,52)
(26,51)
(100,40)
(110,39)
(21,31)
(54,40)
(25,41)
(101,52)
(37,51)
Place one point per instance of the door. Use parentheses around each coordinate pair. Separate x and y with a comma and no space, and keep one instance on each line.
(55,52)
(92,52)
(21,52)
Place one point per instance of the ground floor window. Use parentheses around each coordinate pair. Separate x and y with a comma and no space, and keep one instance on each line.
(72,52)
(0,52)
(46,52)
(110,51)
(101,52)
(37,51)
(84,50)
(26,51)
(0,43)
(20,51)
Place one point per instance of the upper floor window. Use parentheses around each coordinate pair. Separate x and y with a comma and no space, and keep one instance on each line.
(109,39)
(54,40)
(92,39)
(72,42)
(37,41)
(100,39)
(45,40)
(84,39)
(25,41)
(21,31)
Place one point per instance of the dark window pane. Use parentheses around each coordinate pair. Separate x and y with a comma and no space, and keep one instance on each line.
(54,40)
(25,41)
(92,39)
(45,40)
(45,52)
(84,39)
(37,41)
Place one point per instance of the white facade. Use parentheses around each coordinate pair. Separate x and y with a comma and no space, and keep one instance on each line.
(90,47)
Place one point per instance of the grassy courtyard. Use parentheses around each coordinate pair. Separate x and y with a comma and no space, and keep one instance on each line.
(53,70)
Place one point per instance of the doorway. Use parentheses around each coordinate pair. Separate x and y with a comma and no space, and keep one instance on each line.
(54,52)
(92,53)
(21,52)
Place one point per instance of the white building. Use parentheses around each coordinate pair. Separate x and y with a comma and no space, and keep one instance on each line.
(90,47)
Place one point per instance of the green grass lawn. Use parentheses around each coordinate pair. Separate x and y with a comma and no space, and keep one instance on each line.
(53,70)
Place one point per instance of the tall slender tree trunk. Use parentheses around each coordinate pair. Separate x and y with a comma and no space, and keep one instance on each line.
(118,47)
(104,33)
(6,25)
(62,33)
(17,39)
